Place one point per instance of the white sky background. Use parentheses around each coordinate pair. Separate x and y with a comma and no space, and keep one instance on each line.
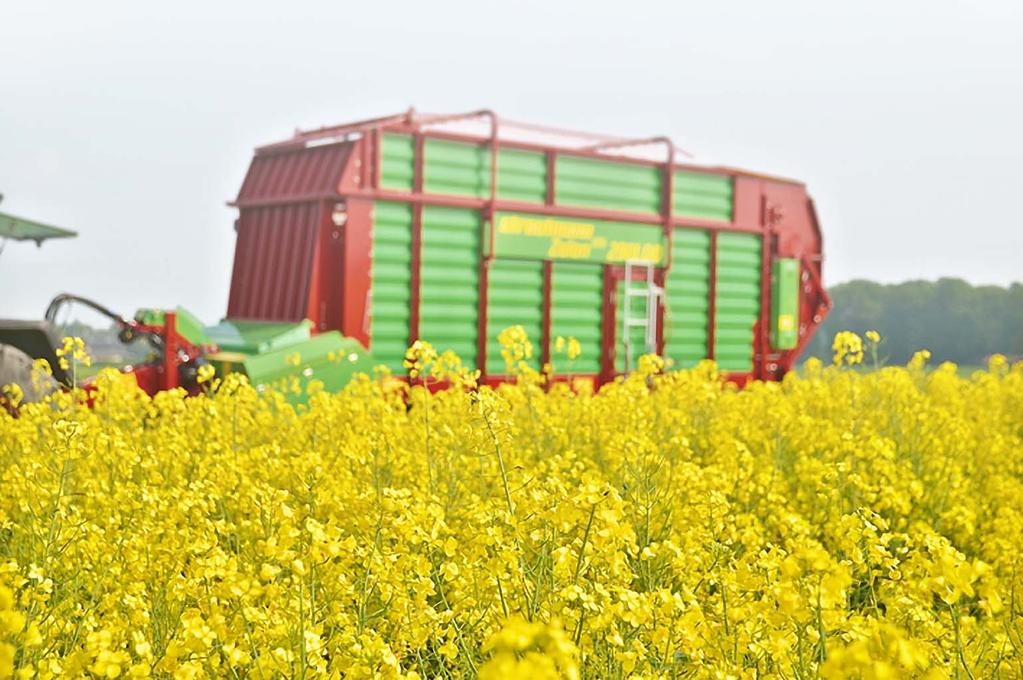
(133,123)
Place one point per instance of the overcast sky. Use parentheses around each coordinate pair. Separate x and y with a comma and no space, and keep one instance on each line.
(133,125)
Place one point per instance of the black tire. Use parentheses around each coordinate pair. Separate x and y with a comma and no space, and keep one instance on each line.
(16,368)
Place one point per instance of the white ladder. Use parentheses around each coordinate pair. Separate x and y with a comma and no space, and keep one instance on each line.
(651,295)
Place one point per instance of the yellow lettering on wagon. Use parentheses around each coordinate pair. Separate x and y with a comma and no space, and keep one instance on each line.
(651,252)
(556,238)
(620,251)
(544,227)
(568,250)
(623,251)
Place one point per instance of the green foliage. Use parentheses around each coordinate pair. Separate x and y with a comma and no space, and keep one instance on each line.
(955,320)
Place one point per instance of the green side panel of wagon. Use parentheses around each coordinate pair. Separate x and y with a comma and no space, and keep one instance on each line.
(598,183)
(577,299)
(391,285)
(462,169)
(522,175)
(515,298)
(737,300)
(703,195)
(396,162)
(785,303)
(449,281)
(687,298)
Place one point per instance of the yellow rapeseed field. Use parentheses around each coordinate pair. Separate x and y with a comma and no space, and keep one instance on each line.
(838,524)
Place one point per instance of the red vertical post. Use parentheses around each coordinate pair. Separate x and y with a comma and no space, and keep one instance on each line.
(315,307)
(355,241)
(170,350)
(763,329)
(416,245)
(712,289)
(326,294)
(607,336)
(487,217)
(668,208)
(668,203)
(378,157)
(548,266)
(661,280)
(365,163)
(482,310)
(545,313)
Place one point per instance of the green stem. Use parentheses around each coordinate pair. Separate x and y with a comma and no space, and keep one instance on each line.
(586,539)
(959,641)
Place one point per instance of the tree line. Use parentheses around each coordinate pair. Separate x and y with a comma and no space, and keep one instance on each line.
(955,320)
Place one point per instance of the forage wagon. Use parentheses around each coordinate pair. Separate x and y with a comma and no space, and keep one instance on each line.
(451,228)
(355,240)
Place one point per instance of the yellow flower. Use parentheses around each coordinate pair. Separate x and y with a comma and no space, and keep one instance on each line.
(919,360)
(574,349)
(836,524)
(521,649)
(12,393)
(449,650)
(205,373)
(848,348)
(515,347)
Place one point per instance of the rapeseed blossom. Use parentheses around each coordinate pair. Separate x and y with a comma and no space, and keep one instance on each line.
(836,524)
(848,347)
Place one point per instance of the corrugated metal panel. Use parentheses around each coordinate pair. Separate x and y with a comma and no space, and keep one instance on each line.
(390,287)
(464,170)
(522,175)
(276,243)
(611,185)
(273,262)
(397,156)
(515,297)
(577,304)
(449,280)
(295,173)
(686,303)
(456,168)
(703,195)
(737,300)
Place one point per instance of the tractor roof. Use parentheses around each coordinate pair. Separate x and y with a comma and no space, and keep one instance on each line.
(20,229)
